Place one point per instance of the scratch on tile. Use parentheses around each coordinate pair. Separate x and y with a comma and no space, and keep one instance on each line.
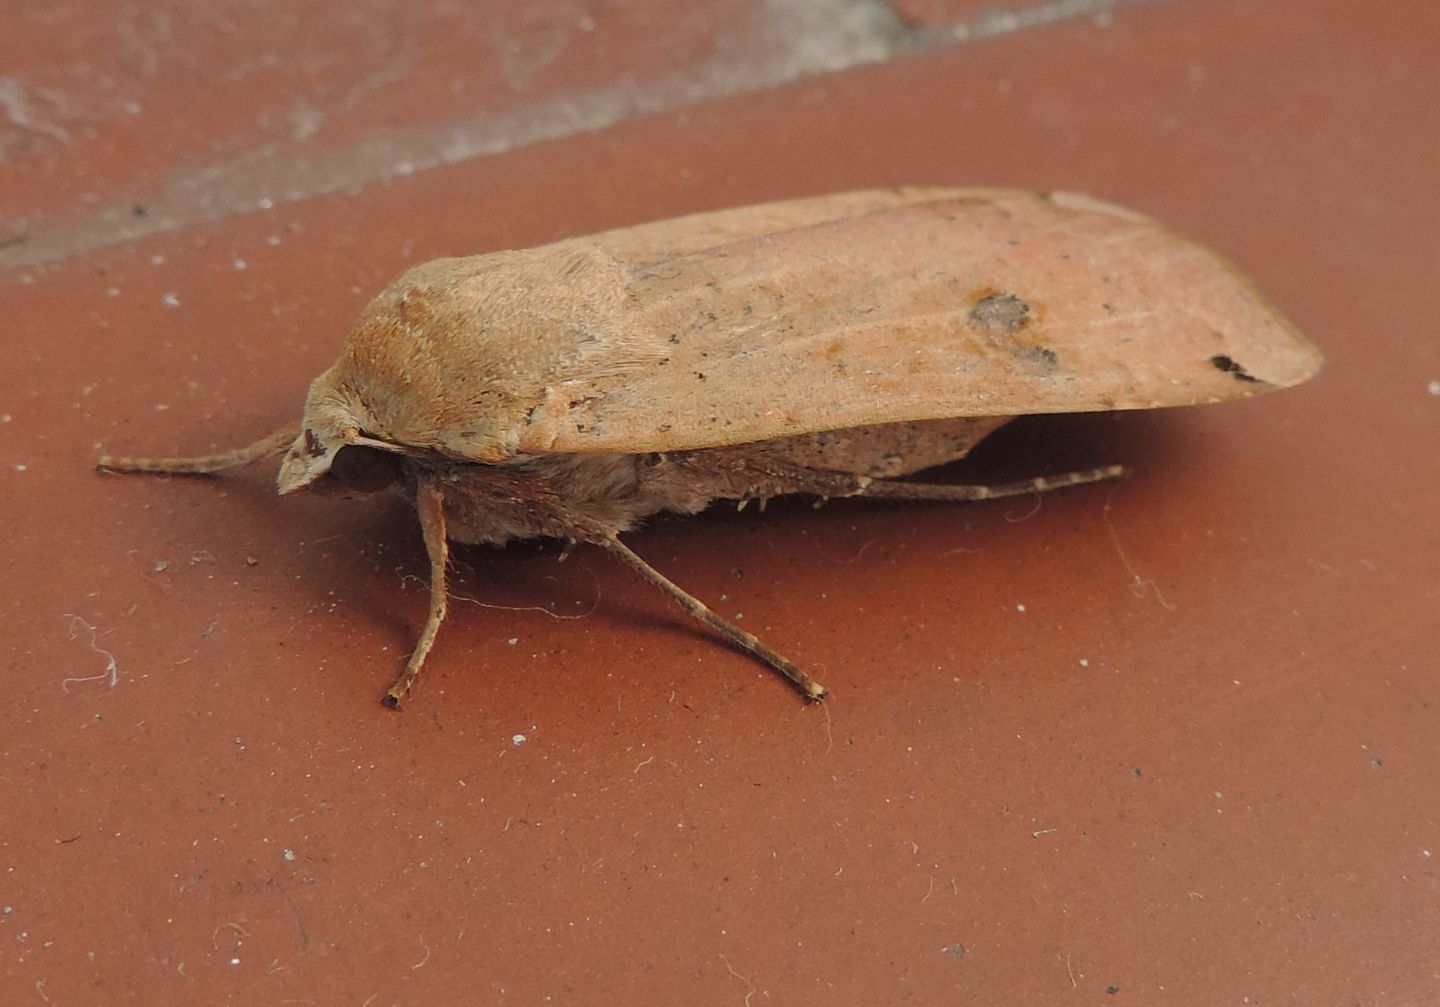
(111,674)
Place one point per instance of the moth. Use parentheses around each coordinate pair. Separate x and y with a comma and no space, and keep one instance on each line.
(829,346)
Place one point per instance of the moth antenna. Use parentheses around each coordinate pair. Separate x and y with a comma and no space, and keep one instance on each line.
(266,447)
(809,688)
(430,505)
(894,490)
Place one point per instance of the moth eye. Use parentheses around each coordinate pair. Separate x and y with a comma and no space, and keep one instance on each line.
(367,470)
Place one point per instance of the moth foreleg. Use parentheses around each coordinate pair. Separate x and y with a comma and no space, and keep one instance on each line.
(886,489)
(265,447)
(809,688)
(430,505)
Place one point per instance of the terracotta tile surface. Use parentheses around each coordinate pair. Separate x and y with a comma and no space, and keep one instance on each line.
(1172,741)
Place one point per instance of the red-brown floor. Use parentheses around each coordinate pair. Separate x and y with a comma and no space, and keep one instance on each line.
(1173,741)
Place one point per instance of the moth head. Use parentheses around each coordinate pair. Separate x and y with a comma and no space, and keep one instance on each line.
(335,450)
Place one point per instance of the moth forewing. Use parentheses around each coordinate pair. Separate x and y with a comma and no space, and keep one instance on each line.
(1000,303)
(820,346)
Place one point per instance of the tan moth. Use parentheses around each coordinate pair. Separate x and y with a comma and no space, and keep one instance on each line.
(825,346)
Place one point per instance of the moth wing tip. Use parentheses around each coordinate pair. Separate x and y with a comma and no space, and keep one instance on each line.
(1305,362)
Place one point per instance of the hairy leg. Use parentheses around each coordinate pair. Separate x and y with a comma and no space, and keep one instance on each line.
(836,484)
(430,505)
(809,688)
(887,490)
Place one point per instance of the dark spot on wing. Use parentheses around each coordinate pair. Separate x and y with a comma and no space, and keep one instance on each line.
(1043,355)
(1009,322)
(999,312)
(1232,367)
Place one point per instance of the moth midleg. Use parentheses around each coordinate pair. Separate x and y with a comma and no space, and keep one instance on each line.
(266,447)
(808,687)
(430,505)
(888,490)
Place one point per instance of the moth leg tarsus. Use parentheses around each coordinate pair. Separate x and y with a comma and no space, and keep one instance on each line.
(430,505)
(811,690)
(203,465)
(896,490)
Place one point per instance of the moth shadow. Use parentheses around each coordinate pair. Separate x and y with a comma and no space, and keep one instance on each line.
(687,547)
(1027,447)
(1031,446)
(703,553)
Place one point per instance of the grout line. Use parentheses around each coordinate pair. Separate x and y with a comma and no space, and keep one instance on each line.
(805,38)
(999,21)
